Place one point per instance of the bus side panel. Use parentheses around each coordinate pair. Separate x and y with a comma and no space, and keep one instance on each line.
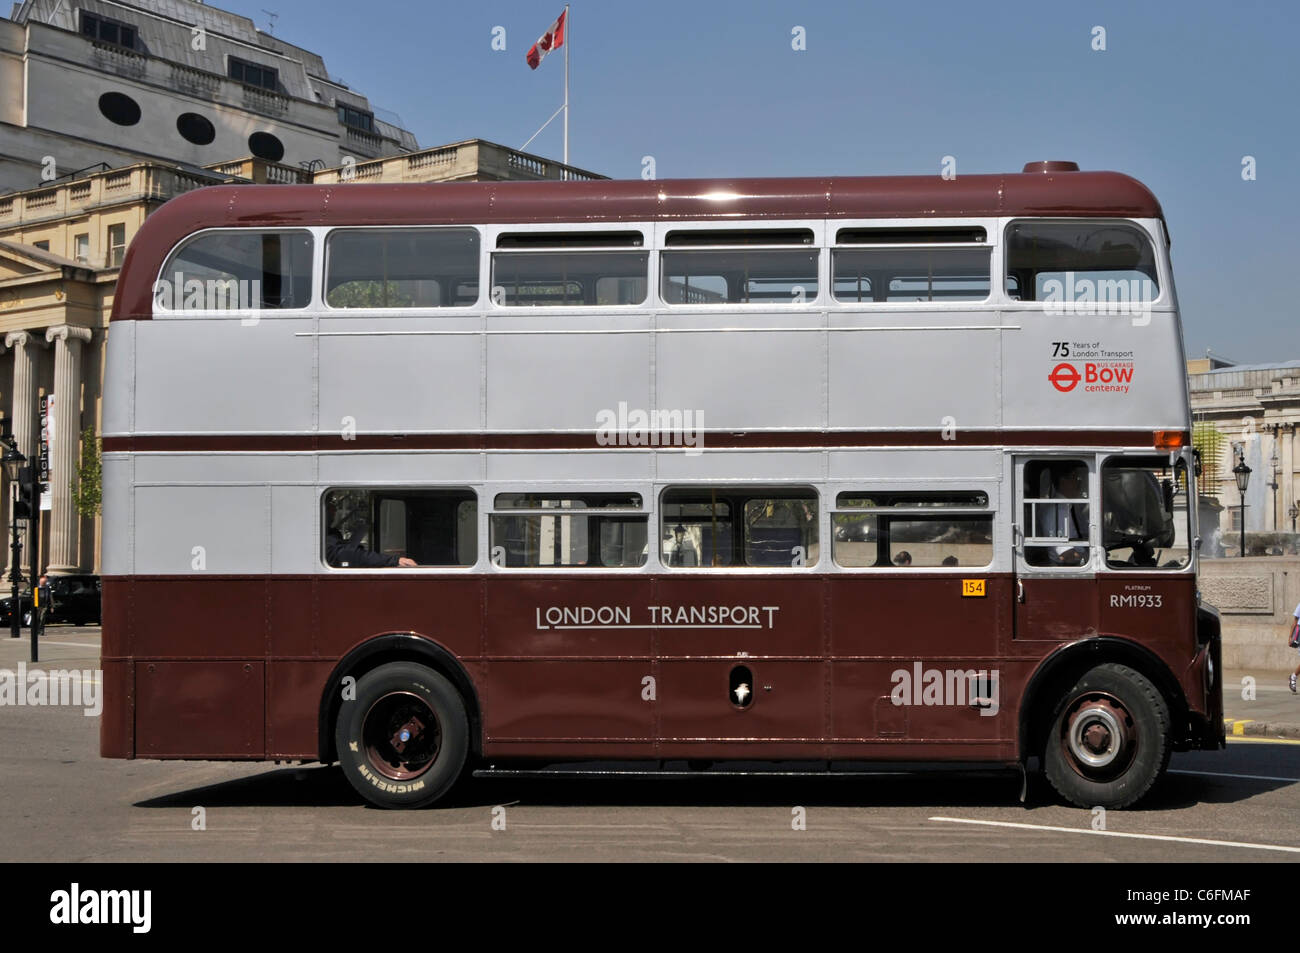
(910,654)
(1156,610)
(354,609)
(177,617)
(207,710)
(567,659)
(116,739)
(293,700)
(116,735)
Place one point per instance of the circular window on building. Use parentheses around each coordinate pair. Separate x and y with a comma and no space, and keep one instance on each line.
(195,128)
(266,146)
(119,108)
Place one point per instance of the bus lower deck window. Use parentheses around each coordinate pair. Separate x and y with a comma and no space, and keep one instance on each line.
(578,531)
(725,526)
(399,528)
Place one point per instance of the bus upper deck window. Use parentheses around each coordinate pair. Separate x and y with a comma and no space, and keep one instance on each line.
(911,274)
(570,269)
(1094,265)
(739,266)
(237,270)
(402,268)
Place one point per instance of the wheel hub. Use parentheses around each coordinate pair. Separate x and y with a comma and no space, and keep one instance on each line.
(402,736)
(1099,735)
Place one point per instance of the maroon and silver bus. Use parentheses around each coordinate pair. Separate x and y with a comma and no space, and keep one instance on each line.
(433,478)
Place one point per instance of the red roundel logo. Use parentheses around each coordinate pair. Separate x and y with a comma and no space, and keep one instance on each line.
(1064,377)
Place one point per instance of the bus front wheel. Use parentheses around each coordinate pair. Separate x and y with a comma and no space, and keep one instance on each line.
(403,740)
(1109,741)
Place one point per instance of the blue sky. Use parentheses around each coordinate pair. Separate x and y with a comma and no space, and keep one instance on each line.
(1182,92)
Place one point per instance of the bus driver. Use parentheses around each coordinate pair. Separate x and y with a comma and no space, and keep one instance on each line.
(1067,520)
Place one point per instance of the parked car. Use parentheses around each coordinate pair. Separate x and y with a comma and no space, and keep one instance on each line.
(73,599)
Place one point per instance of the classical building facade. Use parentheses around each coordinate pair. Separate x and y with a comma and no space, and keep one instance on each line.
(1254,409)
(60,250)
(106,83)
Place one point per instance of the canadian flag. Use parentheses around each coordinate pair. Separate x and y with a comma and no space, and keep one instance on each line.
(552,39)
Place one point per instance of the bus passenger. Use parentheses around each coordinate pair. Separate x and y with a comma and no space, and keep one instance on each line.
(683,551)
(351,553)
(904,558)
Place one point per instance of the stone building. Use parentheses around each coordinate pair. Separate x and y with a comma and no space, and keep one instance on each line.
(106,83)
(1255,410)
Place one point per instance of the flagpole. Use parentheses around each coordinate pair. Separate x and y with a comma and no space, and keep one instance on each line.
(568,35)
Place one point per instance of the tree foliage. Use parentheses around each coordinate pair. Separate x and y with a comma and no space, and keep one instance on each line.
(88,480)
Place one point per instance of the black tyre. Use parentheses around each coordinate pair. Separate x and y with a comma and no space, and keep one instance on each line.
(403,741)
(1109,741)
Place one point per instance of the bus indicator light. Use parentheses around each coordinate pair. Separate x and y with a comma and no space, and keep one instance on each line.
(1170,439)
(973,587)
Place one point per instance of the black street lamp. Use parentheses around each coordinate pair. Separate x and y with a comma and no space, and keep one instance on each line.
(13,460)
(1241,473)
(1276,464)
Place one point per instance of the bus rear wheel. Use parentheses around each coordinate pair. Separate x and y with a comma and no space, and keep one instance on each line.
(1109,741)
(403,740)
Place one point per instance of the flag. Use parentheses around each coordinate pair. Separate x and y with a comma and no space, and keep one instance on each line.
(552,39)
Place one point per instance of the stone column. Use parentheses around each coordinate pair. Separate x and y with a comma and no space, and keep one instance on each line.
(5,492)
(64,519)
(25,414)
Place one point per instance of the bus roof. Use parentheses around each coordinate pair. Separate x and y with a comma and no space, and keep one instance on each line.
(1055,190)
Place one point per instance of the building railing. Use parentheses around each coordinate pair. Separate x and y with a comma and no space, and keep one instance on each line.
(364,140)
(118,59)
(431,158)
(145,181)
(261,171)
(264,101)
(195,81)
(472,160)
(1267,379)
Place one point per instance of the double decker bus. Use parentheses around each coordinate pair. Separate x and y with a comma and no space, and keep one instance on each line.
(426,479)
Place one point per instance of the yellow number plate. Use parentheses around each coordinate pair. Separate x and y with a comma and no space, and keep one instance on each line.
(973,587)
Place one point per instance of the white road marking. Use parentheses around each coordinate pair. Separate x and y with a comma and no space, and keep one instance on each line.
(1088,830)
(1248,777)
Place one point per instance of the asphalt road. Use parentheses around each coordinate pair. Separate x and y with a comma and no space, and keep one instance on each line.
(60,802)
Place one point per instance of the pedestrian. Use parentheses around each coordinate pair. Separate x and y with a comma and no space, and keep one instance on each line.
(43,592)
(1295,643)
